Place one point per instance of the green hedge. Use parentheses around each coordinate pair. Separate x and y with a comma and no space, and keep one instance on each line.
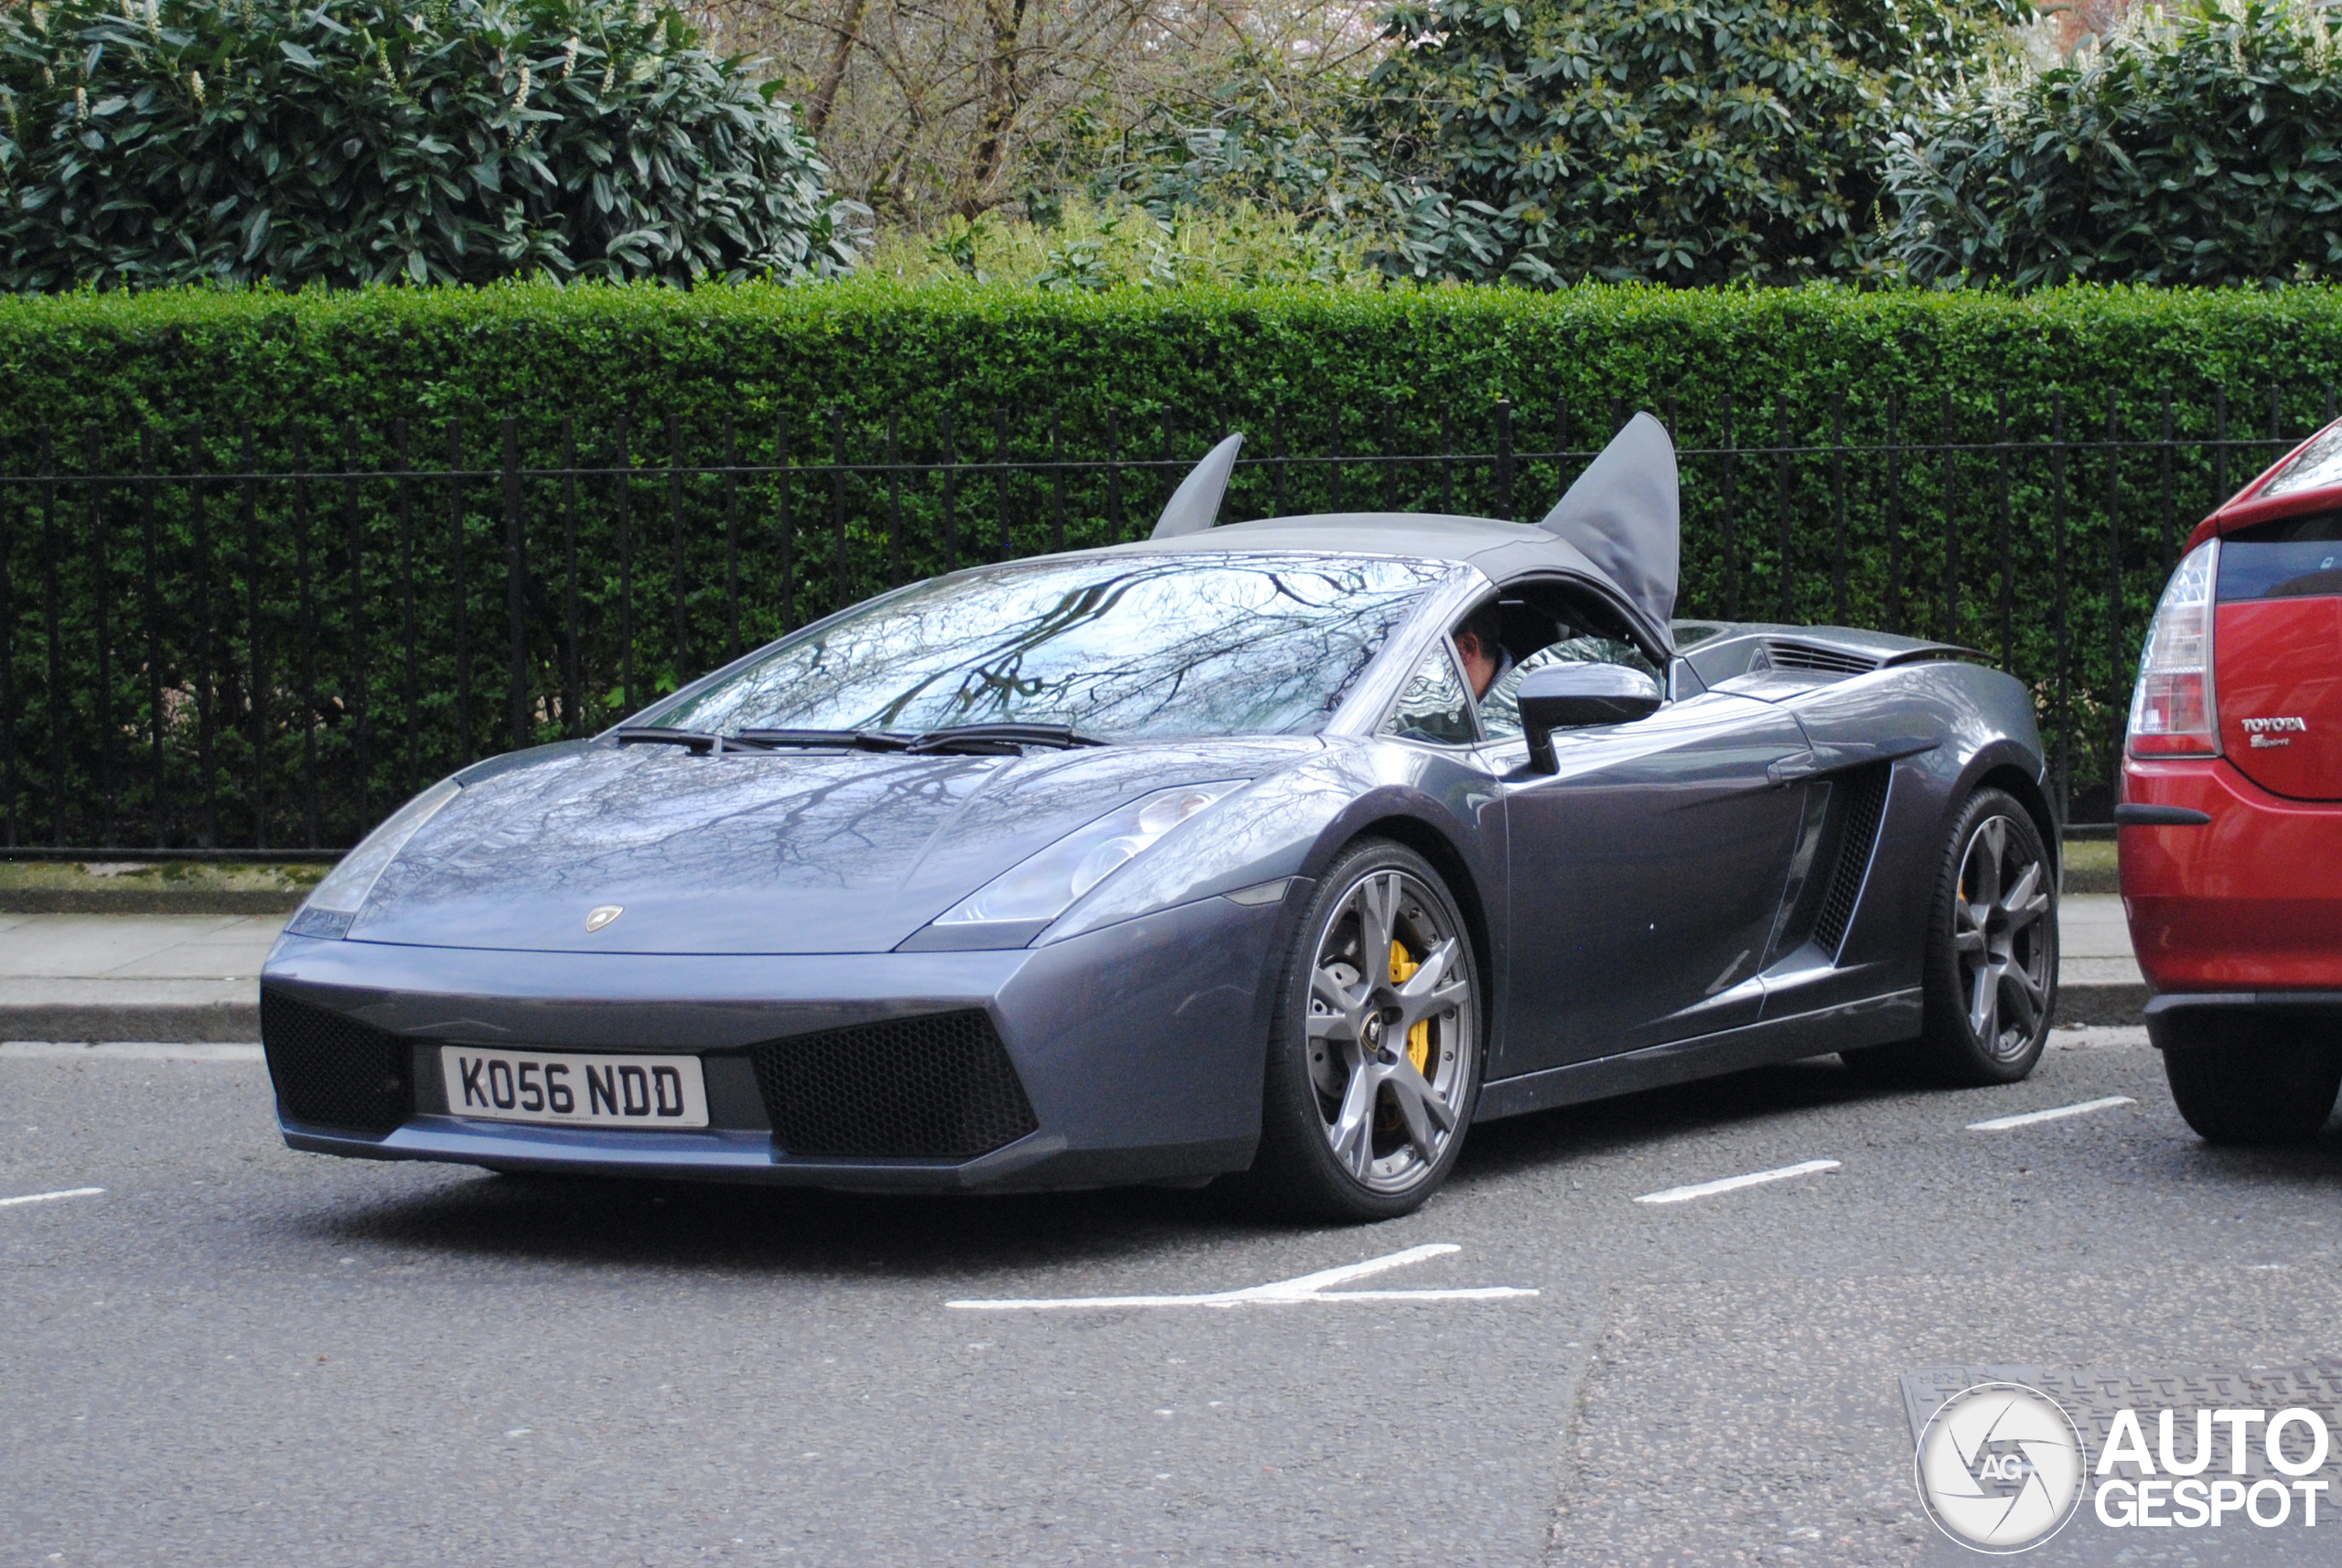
(534,349)
(1300,371)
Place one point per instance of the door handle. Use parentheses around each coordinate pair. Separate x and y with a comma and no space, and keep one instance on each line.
(1789,769)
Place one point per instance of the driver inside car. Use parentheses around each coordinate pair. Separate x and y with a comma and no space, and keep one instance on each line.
(1479,647)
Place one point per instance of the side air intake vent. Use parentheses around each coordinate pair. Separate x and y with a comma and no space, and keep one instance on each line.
(940,1087)
(1832,660)
(1865,804)
(333,1072)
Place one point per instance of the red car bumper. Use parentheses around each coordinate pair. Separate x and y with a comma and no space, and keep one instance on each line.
(2250,901)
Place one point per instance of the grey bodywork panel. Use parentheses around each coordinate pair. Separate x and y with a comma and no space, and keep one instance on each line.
(779,853)
(1644,914)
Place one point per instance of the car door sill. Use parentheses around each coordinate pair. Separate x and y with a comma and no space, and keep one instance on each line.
(1870,1021)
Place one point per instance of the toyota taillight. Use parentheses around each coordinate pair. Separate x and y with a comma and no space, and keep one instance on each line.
(2173,712)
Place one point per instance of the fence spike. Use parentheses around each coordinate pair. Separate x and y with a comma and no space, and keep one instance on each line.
(516,593)
(360,673)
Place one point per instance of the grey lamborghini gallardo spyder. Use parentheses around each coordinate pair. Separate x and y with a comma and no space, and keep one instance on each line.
(1275,854)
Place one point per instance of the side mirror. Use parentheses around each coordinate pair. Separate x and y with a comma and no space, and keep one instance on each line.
(1571,696)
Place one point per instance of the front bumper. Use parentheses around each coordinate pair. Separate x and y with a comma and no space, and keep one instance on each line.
(2247,902)
(1139,1047)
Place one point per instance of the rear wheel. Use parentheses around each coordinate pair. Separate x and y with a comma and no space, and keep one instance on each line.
(1990,976)
(1374,1062)
(2247,1079)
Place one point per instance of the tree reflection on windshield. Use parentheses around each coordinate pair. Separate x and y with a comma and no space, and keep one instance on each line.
(1118,647)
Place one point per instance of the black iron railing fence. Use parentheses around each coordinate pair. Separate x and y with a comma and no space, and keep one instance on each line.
(261,639)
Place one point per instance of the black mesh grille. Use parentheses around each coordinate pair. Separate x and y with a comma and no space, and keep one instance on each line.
(940,1087)
(332,1070)
(1865,802)
(1806,656)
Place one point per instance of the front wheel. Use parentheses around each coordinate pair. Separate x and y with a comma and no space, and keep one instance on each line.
(1374,1060)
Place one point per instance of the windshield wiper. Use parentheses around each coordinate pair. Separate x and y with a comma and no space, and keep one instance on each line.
(698,741)
(847,739)
(968,740)
(999,740)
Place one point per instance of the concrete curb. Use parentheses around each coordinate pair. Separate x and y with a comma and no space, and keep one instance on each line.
(147,901)
(2101,1005)
(236,1022)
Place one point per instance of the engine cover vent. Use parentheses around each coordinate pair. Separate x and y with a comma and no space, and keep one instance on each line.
(1808,656)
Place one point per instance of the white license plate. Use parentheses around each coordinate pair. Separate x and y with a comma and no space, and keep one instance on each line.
(573,1090)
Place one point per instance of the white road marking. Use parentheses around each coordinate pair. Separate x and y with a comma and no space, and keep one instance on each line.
(2026,1119)
(126,1050)
(51,1196)
(1308,1287)
(1735,1182)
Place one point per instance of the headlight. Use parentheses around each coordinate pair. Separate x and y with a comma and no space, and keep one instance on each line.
(335,902)
(1042,886)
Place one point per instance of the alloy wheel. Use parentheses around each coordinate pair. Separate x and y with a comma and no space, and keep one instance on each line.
(1999,938)
(1390,1026)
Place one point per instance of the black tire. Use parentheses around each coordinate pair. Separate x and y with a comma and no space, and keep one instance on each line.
(1323,1051)
(1989,979)
(2249,1079)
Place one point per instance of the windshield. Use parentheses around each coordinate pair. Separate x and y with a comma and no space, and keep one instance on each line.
(1120,647)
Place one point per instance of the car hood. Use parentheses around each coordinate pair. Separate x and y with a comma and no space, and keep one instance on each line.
(754,853)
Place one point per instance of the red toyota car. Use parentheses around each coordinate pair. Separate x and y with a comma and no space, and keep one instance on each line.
(2231,809)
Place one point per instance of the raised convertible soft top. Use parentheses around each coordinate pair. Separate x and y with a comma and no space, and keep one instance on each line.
(1619,529)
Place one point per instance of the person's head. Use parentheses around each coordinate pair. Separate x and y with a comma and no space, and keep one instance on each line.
(1479,644)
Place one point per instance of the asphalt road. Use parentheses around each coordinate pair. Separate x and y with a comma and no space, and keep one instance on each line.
(236,1354)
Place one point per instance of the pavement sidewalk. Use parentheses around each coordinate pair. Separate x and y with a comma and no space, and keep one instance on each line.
(133,977)
(195,977)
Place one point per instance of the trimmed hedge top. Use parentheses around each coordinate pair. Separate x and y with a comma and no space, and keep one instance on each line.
(539,351)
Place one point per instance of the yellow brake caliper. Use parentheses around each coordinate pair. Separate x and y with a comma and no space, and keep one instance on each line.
(1402,969)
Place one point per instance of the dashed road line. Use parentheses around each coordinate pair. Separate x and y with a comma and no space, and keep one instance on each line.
(51,1196)
(2027,1118)
(1733,1183)
(1308,1287)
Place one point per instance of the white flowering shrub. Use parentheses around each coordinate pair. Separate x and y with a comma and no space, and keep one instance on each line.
(147,142)
(2198,145)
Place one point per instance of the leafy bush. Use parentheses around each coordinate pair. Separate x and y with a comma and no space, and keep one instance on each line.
(1272,137)
(360,141)
(1097,246)
(2194,146)
(1681,141)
